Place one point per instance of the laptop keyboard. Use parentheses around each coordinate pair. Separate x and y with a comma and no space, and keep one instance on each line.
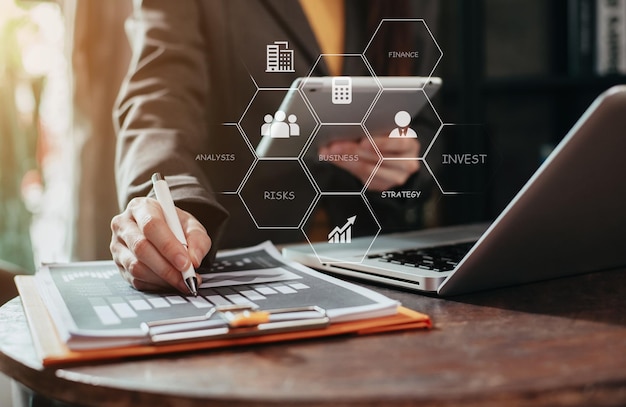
(440,258)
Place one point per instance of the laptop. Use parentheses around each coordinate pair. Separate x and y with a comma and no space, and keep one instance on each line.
(569,218)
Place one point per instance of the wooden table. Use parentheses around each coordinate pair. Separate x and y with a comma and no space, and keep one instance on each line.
(560,342)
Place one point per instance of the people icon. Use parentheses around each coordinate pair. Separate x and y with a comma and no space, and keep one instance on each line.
(294,128)
(403,119)
(265,128)
(276,127)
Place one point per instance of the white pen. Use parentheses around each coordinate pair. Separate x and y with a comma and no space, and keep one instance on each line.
(163,195)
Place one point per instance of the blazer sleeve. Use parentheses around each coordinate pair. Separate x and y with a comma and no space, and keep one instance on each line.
(161,117)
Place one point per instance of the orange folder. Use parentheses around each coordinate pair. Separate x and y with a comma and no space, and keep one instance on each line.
(54,352)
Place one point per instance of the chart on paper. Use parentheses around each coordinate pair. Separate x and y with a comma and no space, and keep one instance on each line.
(94,296)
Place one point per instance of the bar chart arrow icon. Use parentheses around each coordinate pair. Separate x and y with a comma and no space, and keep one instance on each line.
(342,234)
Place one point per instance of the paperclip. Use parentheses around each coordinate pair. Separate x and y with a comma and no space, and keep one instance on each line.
(238,321)
(245,318)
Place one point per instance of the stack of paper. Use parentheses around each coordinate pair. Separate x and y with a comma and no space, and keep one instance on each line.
(97,315)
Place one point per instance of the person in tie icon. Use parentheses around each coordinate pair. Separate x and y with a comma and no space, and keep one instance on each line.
(403,119)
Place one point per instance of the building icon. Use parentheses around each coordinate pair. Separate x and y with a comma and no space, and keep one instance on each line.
(279,57)
(342,234)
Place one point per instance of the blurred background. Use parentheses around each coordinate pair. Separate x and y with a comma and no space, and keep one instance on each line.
(61,63)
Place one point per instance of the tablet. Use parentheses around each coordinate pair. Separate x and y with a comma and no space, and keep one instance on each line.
(324,109)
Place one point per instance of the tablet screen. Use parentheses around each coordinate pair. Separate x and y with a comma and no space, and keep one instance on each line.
(318,110)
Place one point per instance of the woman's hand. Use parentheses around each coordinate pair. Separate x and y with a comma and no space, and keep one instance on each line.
(146,251)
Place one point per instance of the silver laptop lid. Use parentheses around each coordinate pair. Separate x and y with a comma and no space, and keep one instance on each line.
(569,218)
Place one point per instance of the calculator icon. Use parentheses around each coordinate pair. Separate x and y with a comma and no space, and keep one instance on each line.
(342,90)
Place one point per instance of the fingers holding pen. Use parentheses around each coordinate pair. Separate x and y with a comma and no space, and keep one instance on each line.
(136,273)
(178,258)
(126,241)
(146,248)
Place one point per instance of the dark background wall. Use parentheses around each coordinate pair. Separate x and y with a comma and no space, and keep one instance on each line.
(516,67)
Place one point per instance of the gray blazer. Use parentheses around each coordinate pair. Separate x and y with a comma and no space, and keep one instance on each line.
(196,66)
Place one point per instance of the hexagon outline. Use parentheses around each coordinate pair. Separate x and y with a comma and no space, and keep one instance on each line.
(245,139)
(254,157)
(369,208)
(369,68)
(308,143)
(376,98)
(318,193)
(438,118)
(316,129)
(430,103)
(243,114)
(383,159)
(306,212)
(320,56)
(306,168)
(378,164)
(365,184)
(432,107)
(380,228)
(424,158)
(380,154)
(408,20)
(245,178)
(437,182)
